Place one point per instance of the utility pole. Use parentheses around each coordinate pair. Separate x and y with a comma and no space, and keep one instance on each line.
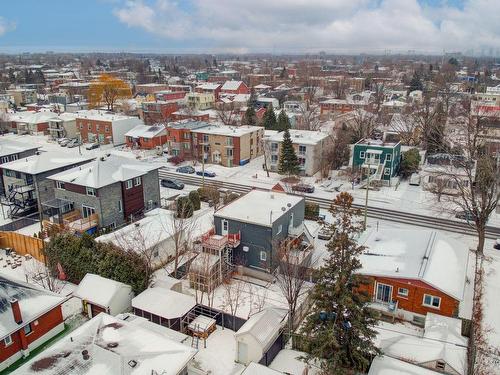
(202,166)
(367,187)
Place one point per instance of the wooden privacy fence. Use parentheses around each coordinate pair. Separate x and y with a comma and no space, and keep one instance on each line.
(22,244)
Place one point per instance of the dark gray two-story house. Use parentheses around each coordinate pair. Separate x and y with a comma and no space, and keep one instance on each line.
(263,219)
(26,180)
(108,192)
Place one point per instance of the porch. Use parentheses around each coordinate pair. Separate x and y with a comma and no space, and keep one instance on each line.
(60,215)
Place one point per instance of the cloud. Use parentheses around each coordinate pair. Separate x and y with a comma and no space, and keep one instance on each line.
(313,25)
(6,26)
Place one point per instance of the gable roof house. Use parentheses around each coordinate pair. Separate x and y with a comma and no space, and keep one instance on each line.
(11,150)
(100,294)
(146,137)
(106,193)
(29,316)
(235,87)
(414,272)
(26,180)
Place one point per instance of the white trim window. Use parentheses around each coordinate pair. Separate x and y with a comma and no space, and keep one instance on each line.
(388,157)
(431,301)
(387,171)
(128,184)
(60,185)
(362,154)
(263,256)
(7,341)
(403,292)
(120,206)
(280,229)
(137,181)
(91,191)
(383,293)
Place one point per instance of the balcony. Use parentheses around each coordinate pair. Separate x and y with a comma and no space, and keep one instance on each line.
(386,310)
(58,215)
(211,240)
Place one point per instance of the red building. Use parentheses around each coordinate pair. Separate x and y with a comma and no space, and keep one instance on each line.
(169,95)
(158,112)
(146,137)
(29,316)
(235,87)
(190,115)
(180,140)
(411,273)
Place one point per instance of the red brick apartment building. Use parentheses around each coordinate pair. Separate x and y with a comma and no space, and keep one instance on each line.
(158,112)
(412,273)
(146,137)
(235,87)
(29,316)
(104,127)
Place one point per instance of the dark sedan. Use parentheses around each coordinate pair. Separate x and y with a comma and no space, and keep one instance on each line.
(303,188)
(172,184)
(206,173)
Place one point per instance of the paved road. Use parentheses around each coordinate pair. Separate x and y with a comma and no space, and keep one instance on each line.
(373,212)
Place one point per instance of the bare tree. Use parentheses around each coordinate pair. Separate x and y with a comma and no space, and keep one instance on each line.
(266,153)
(407,128)
(362,124)
(39,274)
(257,300)
(310,116)
(227,113)
(233,297)
(4,122)
(293,267)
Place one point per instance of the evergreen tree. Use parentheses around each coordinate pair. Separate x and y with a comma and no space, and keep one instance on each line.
(269,120)
(250,117)
(283,121)
(339,328)
(416,83)
(288,163)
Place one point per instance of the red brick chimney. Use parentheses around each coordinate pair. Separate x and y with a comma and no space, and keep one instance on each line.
(16,311)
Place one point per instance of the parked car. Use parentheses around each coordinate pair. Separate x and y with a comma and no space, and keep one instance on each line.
(325,233)
(92,146)
(465,215)
(185,169)
(415,179)
(64,142)
(73,143)
(206,173)
(303,188)
(172,184)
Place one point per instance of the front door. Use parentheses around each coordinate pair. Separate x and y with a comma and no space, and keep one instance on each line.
(383,293)
(242,352)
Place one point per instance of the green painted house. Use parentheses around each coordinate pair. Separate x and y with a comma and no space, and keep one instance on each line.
(382,158)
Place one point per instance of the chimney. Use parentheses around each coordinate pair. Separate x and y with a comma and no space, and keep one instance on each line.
(16,310)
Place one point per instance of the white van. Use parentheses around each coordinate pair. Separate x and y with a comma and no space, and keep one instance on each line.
(415,179)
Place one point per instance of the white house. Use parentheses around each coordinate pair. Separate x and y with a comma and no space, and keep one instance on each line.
(99,294)
(256,337)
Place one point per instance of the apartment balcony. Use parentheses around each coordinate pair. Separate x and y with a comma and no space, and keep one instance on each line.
(59,215)
(212,241)
(386,310)
(229,145)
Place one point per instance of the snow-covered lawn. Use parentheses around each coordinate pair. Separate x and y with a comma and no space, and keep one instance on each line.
(219,355)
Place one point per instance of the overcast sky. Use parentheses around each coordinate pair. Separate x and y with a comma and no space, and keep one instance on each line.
(279,26)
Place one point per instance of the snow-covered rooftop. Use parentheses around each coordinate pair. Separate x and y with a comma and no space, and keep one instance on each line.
(105,171)
(264,326)
(303,137)
(425,255)
(257,369)
(145,131)
(164,302)
(385,365)
(229,131)
(107,345)
(95,114)
(44,162)
(259,207)
(9,147)
(98,290)
(33,302)
(231,85)
(208,86)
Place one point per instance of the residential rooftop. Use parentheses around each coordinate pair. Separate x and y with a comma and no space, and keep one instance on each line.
(44,162)
(95,114)
(303,137)
(9,147)
(229,131)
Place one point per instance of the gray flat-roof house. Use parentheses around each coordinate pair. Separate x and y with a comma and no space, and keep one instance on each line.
(26,184)
(11,150)
(104,193)
(263,220)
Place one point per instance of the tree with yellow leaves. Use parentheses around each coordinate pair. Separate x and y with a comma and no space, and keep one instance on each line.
(107,89)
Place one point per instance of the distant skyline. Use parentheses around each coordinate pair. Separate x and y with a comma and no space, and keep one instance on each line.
(260,26)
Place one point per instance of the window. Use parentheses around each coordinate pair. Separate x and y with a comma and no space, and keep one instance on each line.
(87,211)
(431,301)
(120,206)
(280,228)
(27,329)
(361,154)
(205,138)
(7,341)
(274,159)
(229,152)
(186,146)
(90,127)
(60,185)
(302,150)
(150,205)
(128,184)
(274,147)
(388,157)
(106,129)
(440,365)
(137,181)
(15,157)
(91,191)
(387,171)
(10,173)
(81,126)
(97,128)
(186,135)
(403,292)
(229,141)
(263,256)
(5,159)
